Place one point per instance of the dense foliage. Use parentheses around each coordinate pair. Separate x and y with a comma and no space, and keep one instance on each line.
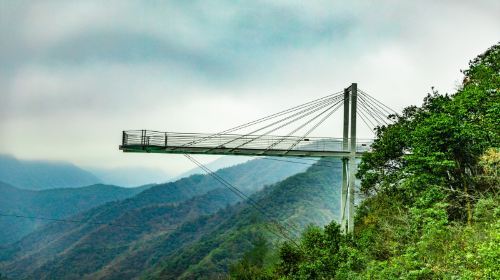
(308,197)
(164,219)
(433,207)
(53,203)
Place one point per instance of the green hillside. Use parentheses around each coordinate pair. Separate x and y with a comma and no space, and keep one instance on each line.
(53,203)
(72,251)
(433,206)
(311,197)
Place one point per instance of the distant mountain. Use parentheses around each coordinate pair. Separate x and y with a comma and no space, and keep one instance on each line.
(76,251)
(222,162)
(130,176)
(189,228)
(39,175)
(311,197)
(53,203)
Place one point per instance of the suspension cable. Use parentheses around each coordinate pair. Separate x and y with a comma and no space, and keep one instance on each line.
(269,117)
(363,116)
(388,109)
(306,123)
(302,115)
(284,231)
(374,108)
(316,125)
(373,115)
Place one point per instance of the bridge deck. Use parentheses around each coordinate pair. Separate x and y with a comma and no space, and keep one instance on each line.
(147,141)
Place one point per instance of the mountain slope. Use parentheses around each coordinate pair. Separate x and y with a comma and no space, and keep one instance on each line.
(222,162)
(64,250)
(311,197)
(432,206)
(130,176)
(39,175)
(53,203)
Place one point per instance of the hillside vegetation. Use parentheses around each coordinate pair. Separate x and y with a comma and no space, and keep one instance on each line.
(311,197)
(433,206)
(156,223)
(53,203)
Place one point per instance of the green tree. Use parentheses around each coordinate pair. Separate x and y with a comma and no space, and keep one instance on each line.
(251,266)
(439,143)
(317,256)
(432,208)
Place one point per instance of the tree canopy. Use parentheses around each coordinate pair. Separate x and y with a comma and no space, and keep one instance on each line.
(431,180)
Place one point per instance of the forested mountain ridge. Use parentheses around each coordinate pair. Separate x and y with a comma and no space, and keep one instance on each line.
(58,250)
(311,197)
(52,203)
(130,176)
(433,207)
(39,175)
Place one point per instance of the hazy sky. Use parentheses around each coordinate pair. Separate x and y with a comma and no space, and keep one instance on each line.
(73,75)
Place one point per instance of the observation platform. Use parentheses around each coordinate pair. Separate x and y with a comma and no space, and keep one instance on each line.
(148,141)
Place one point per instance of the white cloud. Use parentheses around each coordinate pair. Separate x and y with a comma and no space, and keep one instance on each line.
(74,74)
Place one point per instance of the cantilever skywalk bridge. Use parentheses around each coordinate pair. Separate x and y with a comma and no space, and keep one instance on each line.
(294,125)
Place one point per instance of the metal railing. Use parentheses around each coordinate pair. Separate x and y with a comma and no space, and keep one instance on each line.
(237,141)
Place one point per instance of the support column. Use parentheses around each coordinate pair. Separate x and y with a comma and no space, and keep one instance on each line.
(345,148)
(343,198)
(352,157)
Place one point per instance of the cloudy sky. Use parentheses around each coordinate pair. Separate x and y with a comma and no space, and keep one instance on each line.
(73,75)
